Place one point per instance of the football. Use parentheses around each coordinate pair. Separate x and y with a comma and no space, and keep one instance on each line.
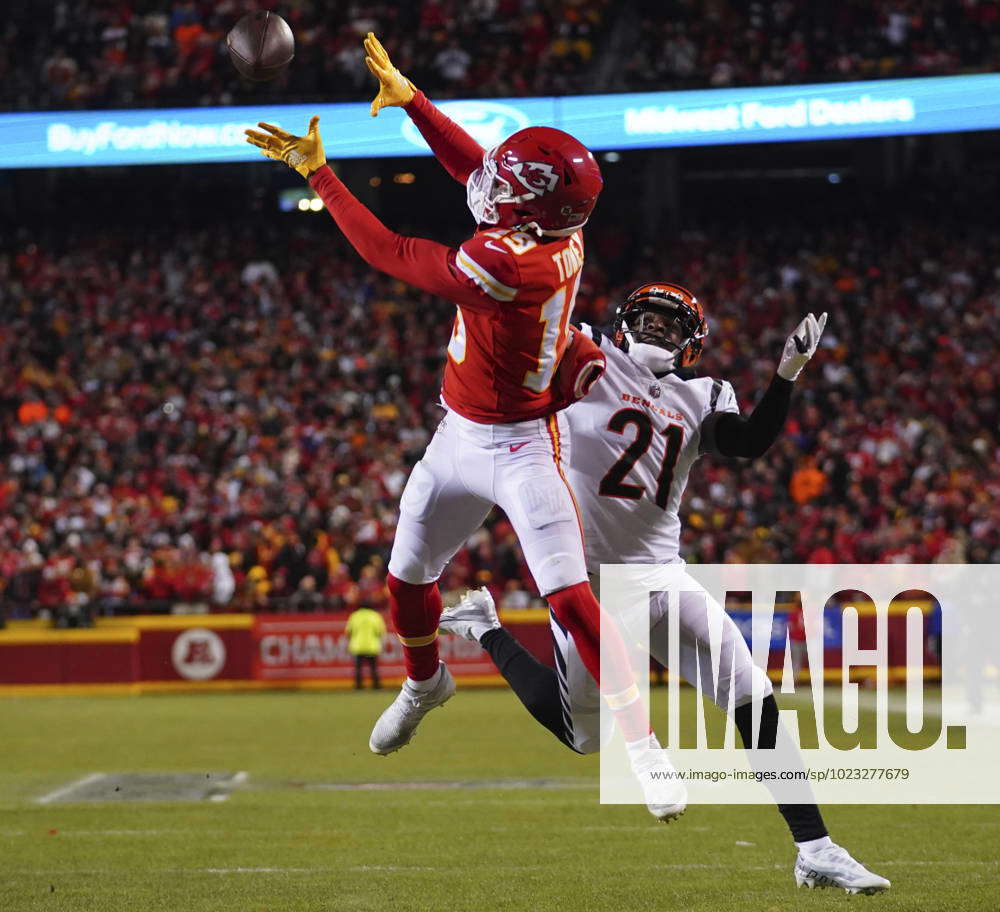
(261,45)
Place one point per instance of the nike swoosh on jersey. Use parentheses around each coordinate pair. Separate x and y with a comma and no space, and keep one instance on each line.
(514,447)
(493,246)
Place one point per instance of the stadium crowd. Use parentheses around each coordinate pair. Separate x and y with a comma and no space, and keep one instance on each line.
(223,418)
(130,53)
(749,42)
(149,53)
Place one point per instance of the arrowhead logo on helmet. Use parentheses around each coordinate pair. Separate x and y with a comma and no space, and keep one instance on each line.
(540,178)
(561,178)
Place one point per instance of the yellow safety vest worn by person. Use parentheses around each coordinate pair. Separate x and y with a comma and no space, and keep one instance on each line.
(365,627)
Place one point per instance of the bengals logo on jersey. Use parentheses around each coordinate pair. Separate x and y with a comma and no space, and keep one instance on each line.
(538,177)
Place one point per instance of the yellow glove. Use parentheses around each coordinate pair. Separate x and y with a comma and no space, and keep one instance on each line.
(395,90)
(301,153)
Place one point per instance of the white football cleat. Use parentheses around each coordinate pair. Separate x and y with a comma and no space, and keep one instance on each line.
(395,727)
(834,867)
(473,616)
(665,793)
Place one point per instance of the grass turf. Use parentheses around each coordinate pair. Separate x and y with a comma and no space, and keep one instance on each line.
(284,844)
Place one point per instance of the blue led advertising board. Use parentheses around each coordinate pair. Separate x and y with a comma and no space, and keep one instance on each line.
(646,120)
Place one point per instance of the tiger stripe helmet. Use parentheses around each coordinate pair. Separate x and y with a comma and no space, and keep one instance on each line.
(667,299)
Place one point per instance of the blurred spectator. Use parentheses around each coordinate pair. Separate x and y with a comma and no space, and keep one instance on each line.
(365,632)
(306,599)
(514,597)
(223,581)
(807,482)
(797,639)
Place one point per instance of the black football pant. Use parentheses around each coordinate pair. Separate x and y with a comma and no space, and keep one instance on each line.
(372,662)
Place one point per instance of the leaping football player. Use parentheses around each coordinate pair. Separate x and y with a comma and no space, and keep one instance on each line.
(503,439)
(636,435)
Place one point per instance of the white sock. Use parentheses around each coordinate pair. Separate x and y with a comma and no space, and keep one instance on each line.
(638,748)
(424,686)
(814,845)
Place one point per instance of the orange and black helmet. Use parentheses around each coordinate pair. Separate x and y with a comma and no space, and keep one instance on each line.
(685,316)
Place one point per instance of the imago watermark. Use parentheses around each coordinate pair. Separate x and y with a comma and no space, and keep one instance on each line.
(849,683)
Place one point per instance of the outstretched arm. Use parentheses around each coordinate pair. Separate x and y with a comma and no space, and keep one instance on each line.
(729,434)
(454,148)
(420,262)
(425,264)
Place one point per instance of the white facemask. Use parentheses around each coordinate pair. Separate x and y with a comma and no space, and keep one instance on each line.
(657,359)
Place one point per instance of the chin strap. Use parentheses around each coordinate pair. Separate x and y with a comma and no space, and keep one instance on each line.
(657,359)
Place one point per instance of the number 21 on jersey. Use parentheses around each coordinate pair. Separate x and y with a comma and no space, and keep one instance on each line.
(613,484)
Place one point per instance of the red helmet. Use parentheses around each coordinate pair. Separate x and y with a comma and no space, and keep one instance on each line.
(539,177)
(685,327)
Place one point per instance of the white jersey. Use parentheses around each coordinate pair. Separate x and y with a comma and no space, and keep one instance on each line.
(633,440)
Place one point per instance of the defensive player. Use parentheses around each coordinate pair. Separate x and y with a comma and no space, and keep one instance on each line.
(501,441)
(636,436)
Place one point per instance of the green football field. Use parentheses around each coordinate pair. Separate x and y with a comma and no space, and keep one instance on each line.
(295,835)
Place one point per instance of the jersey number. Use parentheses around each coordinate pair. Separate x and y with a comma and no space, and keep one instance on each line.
(554,318)
(456,345)
(613,484)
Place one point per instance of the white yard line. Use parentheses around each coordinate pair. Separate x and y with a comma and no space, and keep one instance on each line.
(461,784)
(258,870)
(60,793)
(222,787)
(129,833)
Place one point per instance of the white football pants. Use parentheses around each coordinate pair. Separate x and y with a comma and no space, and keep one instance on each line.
(701,620)
(467,468)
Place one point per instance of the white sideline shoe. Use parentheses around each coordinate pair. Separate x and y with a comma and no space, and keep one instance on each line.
(834,867)
(395,727)
(665,793)
(473,616)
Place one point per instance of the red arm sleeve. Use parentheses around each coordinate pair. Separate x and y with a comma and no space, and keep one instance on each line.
(454,148)
(422,263)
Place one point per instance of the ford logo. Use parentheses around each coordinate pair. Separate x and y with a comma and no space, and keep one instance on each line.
(488,122)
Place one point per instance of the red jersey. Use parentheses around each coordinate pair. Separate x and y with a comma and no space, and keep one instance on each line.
(514,292)
(504,350)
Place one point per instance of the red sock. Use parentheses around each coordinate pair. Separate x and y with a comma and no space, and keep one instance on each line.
(416,610)
(576,608)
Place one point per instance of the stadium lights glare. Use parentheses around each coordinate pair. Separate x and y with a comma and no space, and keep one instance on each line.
(407,177)
(375,182)
(303,204)
(316,204)
(612,157)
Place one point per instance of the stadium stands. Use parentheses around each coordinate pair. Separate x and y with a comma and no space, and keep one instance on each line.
(225,418)
(747,42)
(131,54)
(127,53)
